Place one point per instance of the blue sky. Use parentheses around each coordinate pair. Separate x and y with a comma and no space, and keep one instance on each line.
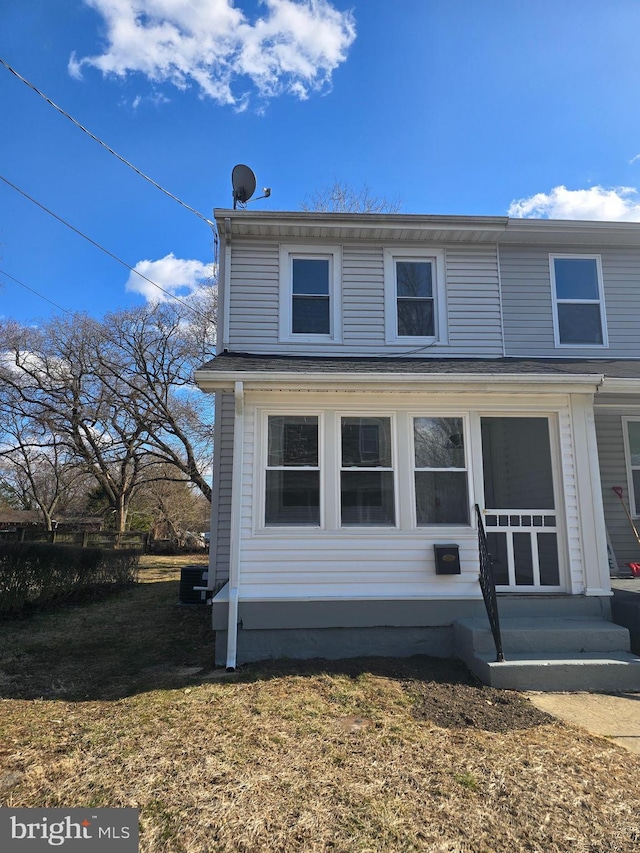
(451,106)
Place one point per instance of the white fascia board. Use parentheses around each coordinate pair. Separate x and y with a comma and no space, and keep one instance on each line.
(521,383)
(284,218)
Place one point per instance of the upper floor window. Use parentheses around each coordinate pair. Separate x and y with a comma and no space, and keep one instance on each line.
(309,293)
(578,299)
(414,296)
(310,296)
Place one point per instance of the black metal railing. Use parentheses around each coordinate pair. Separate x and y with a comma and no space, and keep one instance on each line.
(488,586)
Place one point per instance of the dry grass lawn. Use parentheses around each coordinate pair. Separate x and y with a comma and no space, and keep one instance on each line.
(114,703)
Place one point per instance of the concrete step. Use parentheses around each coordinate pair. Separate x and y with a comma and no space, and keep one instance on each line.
(541,635)
(594,672)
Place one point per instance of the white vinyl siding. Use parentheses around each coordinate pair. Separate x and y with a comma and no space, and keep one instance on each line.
(253,302)
(221,503)
(472,313)
(528,303)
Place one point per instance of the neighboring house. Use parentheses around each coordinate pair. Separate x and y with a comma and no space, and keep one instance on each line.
(12,520)
(380,375)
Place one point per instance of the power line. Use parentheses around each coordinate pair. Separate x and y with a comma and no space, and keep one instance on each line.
(107,147)
(98,246)
(37,293)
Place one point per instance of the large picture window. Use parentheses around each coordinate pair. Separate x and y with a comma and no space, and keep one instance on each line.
(366,476)
(440,471)
(293,471)
(579,305)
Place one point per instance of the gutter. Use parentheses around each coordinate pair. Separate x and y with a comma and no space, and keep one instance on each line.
(212,380)
(236,510)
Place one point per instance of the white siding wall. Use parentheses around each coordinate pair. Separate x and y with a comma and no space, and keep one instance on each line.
(374,563)
(473,303)
(221,505)
(528,310)
(613,472)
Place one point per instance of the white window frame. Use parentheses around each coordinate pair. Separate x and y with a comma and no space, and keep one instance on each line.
(634,500)
(340,416)
(261,504)
(420,255)
(466,437)
(599,301)
(289,252)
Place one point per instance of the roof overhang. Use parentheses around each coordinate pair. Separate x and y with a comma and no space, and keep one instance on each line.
(512,383)
(415,228)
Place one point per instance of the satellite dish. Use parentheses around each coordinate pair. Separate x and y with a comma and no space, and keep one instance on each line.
(244,184)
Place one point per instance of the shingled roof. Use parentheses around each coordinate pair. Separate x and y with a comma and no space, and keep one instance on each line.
(241,362)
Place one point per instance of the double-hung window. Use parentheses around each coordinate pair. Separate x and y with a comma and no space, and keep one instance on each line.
(292,495)
(576,282)
(632,448)
(309,294)
(414,296)
(366,473)
(440,471)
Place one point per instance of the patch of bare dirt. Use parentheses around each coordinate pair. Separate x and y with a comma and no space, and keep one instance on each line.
(443,690)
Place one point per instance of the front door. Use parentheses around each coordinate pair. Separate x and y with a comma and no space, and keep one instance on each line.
(521,516)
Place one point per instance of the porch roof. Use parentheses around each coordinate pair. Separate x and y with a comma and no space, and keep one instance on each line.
(230,367)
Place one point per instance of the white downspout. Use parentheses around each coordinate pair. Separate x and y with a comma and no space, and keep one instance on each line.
(236,510)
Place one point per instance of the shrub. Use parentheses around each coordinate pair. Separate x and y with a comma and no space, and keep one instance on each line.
(35,574)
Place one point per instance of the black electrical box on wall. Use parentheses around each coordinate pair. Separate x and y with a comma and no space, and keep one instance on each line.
(447,559)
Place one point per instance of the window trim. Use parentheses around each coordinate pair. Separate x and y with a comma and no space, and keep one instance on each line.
(599,301)
(261,504)
(418,254)
(634,500)
(287,253)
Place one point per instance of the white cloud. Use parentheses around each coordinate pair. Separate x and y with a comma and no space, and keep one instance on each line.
(293,48)
(597,203)
(174,275)
(634,159)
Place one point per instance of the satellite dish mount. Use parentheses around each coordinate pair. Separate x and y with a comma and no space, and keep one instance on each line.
(244,185)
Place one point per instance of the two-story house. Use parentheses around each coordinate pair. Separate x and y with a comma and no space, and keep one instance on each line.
(380,375)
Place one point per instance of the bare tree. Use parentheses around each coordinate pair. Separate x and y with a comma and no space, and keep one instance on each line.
(114,398)
(36,467)
(341,197)
(150,359)
(51,372)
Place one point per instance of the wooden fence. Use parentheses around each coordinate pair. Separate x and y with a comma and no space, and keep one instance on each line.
(82,539)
